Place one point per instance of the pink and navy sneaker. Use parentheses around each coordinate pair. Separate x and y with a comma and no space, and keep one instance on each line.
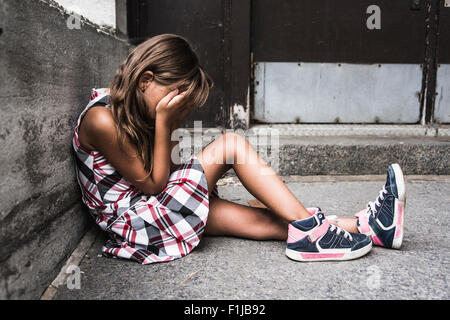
(315,239)
(383,219)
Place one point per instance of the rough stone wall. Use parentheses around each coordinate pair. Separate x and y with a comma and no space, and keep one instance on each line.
(46,73)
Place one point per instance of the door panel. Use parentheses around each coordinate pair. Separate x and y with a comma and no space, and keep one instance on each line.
(336,31)
(287,92)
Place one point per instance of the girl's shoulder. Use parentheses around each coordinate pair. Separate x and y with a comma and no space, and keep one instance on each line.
(96,124)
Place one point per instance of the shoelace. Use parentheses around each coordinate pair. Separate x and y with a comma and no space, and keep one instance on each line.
(372,205)
(338,231)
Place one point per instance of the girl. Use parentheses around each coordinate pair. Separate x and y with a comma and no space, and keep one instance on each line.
(154,210)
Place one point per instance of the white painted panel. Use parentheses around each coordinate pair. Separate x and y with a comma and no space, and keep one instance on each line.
(442,104)
(331,92)
(101,12)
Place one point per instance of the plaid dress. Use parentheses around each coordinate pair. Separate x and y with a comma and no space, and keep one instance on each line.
(146,229)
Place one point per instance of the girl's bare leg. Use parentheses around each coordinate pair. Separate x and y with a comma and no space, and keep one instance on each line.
(233,219)
(233,150)
(225,218)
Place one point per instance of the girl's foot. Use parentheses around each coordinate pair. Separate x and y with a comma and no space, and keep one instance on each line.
(383,219)
(315,239)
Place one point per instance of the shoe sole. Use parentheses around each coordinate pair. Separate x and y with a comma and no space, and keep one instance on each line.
(320,256)
(399,209)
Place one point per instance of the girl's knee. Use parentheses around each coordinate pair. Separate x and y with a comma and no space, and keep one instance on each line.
(233,143)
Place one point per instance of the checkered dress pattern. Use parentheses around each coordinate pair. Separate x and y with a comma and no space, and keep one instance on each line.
(146,229)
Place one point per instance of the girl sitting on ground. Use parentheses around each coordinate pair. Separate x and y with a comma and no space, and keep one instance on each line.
(156,210)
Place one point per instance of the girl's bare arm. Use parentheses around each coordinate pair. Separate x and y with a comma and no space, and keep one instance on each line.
(161,158)
(100,128)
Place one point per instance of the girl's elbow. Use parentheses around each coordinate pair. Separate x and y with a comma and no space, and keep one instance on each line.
(159,189)
(154,188)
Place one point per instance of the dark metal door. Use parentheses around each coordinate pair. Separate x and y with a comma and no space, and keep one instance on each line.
(384,60)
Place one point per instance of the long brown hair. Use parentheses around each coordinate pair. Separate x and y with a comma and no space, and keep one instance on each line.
(173,61)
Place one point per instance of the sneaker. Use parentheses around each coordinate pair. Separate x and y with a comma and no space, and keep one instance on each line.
(383,219)
(315,239)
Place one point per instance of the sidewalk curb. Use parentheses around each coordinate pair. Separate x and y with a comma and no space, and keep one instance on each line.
(229,179)
(74,260)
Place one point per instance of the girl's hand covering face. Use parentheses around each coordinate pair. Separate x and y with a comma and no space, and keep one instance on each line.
(172,107)
(169,108)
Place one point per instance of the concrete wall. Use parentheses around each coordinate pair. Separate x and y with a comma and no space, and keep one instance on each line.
(47,71)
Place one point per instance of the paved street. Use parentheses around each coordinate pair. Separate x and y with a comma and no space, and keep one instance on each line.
(231,268)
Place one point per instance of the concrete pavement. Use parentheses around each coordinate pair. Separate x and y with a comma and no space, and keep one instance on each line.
(232,268)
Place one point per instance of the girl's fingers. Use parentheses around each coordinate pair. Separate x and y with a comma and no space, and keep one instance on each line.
(177,101)
(168,98)
(171,95)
